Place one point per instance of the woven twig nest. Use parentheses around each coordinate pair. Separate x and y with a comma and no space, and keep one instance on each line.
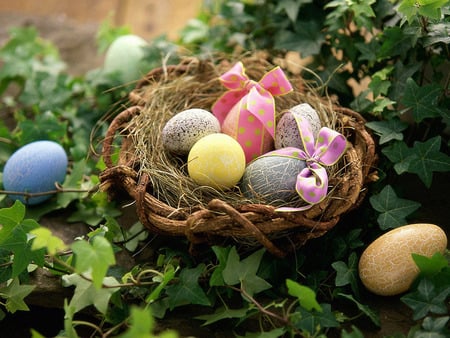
(169,203)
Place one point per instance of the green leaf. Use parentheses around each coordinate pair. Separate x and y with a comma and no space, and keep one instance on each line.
(73,181)
(221,253)
(187,290)
(15,295)
(393,210)
(245,272)
(222,313)
(347,273)
(307,38)
(428,159)
(371,314)
(427,299)
(291,8)
(275,333)
(356,333)
(400,154)
(388,130)
(45,239)
(18,243)
(86,293)
(10,217)
(94,257)
(314,321)
(305,295)
(429,266)
(169,275)
(142,325)
(423,101)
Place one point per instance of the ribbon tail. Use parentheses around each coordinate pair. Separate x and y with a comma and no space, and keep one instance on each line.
(312,184)
(262,105)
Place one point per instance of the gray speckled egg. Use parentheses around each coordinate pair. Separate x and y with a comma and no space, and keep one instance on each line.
(187,127)
(287,134)
(271,179)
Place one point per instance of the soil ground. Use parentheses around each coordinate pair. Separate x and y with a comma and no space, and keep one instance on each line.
(77,46)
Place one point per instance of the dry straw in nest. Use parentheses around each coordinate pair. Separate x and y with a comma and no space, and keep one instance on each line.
(169,202)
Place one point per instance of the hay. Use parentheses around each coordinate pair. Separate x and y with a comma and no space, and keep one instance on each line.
(198,87)
(170,203)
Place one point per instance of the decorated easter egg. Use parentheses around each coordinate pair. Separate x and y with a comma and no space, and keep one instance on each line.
(124,58)
(216,160)
(272,179)
(386,266)
(35,168)
(253,137)
(187,127)
(287,133)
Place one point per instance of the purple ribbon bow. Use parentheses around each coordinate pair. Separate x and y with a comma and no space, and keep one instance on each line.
(312,181)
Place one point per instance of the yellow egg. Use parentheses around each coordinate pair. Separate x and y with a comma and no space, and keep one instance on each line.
(386,266)
(216,160)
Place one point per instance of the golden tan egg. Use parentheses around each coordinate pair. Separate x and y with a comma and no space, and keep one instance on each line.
(386,266)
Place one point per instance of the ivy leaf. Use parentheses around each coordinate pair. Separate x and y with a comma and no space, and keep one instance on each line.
(86,293)
(437,33)
(305,295)
(435,325)
(347,273)
(427,298)
(187,290)
(429,266)
(94,257)
(291,8)
(169,275)
(222,253)
(19,242)
(374,317)
(307,38)
(10,218)
(311,321)
(15,295)
(388,130)
(393,210)
(244,272)
(423,101)
(222,313)
(399,154)
(428,159)
(143,325)
(73,181)
(45,239)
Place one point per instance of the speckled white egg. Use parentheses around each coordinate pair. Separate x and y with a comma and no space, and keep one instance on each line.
(386,266)
(35,168)
(184,129)
(271,179)
(287,133)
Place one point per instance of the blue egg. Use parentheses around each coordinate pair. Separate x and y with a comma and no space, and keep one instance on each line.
(35,168)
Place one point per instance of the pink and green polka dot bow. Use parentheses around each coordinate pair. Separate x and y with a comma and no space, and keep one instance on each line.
(312,181)
(256,105)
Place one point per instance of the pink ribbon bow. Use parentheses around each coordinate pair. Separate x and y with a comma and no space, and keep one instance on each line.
(256,103)
(312,181)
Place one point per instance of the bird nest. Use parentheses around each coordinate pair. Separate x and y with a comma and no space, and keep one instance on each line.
(170,203)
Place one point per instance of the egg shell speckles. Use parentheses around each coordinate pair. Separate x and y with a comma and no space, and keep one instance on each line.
(271,179)
(187,127)
(386,266)
(35,168)
(287,133)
